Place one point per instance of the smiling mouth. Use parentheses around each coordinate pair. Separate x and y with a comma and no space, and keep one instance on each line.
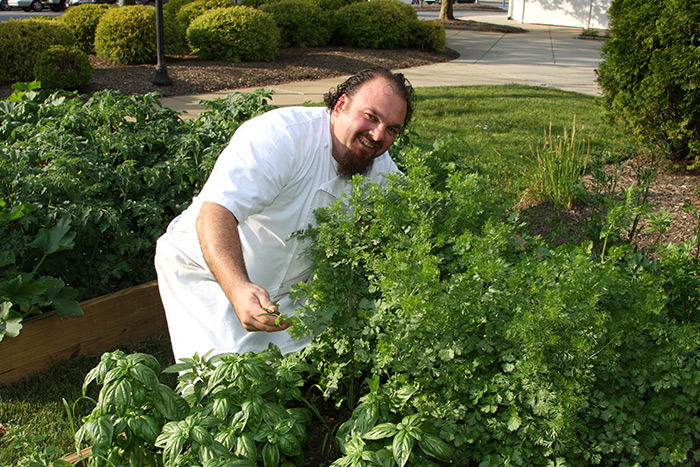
(366,143)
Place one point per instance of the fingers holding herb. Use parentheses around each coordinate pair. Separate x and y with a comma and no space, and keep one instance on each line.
(281,321)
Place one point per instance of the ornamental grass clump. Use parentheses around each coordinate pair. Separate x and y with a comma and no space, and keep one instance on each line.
(127,35)
(558,169)
(239,34)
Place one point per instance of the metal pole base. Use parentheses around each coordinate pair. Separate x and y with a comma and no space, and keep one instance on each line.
(161,78)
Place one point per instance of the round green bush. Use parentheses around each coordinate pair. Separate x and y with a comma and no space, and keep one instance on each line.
(301,24)
(127,35)
(239,34)
(61,67)
(83,19)
(173,6)
(334,5)
(651,71)
(377,24)
(23,41)
(196,8)
(428,35)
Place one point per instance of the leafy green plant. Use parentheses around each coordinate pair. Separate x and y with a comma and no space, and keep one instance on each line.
(119,167)
(132,408)
(23,291)
(693,209)
(369,438)
(240,409)
(20,440)
(623,218)
(518,353)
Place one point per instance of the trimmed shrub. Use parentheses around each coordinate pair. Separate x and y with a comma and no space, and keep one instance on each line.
(23,41)
(127,35)
(651,71)
(334,5)
(301,24)
(83,20)
(173,6)
(428,35)
(256,3)
(174,40)
(61,67)
(196,8)
(239,34)
(377,24)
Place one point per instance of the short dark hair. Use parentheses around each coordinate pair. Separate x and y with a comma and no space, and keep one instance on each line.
(352,84)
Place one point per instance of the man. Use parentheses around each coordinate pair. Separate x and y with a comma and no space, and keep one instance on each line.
(229,258)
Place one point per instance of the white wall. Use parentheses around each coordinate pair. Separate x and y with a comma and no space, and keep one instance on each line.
(588,14)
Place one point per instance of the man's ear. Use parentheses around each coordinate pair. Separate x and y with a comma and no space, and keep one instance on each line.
(340,103)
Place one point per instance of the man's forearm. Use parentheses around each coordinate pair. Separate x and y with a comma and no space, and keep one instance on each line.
(217,230)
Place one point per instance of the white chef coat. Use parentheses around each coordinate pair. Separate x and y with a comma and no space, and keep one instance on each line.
(276,170)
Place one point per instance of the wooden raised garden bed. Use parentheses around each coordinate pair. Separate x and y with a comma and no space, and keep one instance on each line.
(106,323)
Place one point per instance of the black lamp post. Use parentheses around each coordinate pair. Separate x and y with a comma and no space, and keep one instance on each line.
(161,78)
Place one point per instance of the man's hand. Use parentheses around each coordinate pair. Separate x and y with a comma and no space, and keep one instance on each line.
(217,230)
(255,310)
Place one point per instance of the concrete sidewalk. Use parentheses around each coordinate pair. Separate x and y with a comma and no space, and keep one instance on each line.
(549,56)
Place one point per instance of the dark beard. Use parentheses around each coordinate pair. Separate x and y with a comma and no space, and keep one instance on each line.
(350,166)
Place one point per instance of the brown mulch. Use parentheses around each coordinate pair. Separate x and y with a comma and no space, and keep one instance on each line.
(672,188)
(190,75)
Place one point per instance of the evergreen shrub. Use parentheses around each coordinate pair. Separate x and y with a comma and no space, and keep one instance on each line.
(196,8)
(256,3)
(61,67)
(301,24)
(173,6)
(83,20)
(377,24)
(127,35)
(23,41)
(651,71)
(239,34)
(334,5)
(428,35)
(177,38)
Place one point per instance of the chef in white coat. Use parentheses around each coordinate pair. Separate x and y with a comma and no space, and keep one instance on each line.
(227,260)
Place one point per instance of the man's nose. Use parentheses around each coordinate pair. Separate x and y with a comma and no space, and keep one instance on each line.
(378,133)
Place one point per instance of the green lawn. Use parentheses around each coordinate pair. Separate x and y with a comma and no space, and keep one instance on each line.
(498,127)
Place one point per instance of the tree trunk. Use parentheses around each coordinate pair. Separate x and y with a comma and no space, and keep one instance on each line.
(446,11)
